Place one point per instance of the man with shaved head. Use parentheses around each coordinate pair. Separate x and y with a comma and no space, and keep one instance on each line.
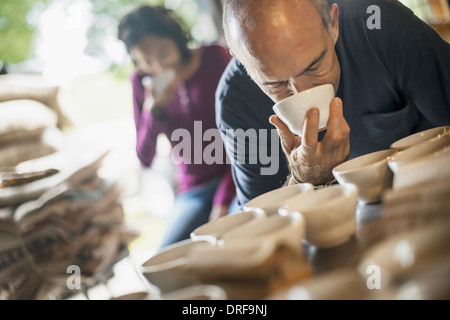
(389,69)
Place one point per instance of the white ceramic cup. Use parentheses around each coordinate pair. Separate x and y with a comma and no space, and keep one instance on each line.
(167,269)
(269,202)
(197,292)
(292,110)
(159,82)
(212,231)
(288,230)
(419,137)
(329,213)
(419,151)
(370,172)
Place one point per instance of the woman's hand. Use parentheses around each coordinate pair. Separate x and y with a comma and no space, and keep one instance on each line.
(155,103)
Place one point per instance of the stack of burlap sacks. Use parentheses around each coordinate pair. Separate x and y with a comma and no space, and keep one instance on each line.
(56,213)
(32,119)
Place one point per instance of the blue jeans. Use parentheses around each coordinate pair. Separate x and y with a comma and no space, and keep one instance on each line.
(191,209)
(234,206)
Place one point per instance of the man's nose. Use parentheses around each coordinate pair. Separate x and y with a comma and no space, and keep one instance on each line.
(298,85)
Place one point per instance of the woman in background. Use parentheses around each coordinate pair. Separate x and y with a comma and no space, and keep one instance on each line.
(158,45)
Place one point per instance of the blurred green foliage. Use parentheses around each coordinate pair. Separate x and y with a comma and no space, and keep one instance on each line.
(19,20)
(17,28)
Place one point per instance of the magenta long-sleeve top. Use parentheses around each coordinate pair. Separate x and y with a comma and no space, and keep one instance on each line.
(192,112)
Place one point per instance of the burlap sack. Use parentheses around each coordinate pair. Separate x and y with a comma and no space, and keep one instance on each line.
(33,87)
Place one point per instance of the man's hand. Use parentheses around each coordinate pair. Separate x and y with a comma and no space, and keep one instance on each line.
(217,212)
(312,160)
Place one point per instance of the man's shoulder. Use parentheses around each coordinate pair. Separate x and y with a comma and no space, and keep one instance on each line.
(234,73)
(237,69)
(393,10)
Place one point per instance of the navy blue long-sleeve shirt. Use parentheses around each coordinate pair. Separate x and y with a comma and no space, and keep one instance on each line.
(395,81)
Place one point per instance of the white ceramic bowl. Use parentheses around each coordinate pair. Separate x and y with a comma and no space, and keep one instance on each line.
(369,172)
(292,110)
(197,292)
(329,213)
(159,83)
(418,151)
(434,170)
(214,230)
(264,251)
(340,284)
(269,202)
(289,230)
(419,137)
(167,269)
(442,152)
(407,253)
(138,295)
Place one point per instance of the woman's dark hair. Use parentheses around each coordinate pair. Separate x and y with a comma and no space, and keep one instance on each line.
(157,21)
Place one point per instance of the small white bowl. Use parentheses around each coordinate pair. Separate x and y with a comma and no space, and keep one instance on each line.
(434,170)
(418,151)
(167,269)
(269,202)
(369,172)
(340,284)
(138,295)
(443,152)
(214,230)
(288,230)
(263,251)
(197,292)
(292,110)
(329,213)
(419,137)
(408,252)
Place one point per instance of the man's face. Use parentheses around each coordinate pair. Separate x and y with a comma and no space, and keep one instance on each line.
(289,51)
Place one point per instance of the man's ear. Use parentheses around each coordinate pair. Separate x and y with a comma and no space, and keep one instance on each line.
(334,13)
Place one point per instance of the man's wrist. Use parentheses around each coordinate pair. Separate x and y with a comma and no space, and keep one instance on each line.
(329,183)
(293,177)
(295,180)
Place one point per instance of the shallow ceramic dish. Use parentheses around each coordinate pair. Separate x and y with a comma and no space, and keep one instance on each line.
(167,269)
(139,295)
(408,252)
(339,284)
(269,202)
(369,172)
(419,137)
(262,260)
(418,151)
(434,169)
(214,230)
(429,283)
(197,292)
(277,229)
(329,213)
